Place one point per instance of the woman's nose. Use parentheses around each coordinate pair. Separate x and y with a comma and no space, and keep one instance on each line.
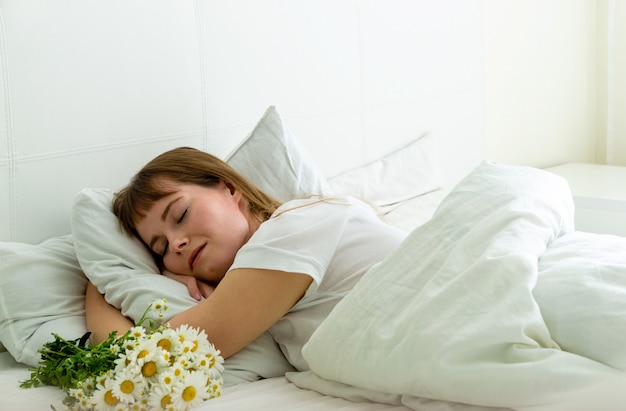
(178,244)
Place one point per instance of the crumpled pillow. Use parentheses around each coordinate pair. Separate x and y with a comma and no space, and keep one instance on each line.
(42,290)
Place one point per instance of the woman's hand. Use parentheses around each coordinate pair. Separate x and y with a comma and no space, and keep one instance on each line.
(197,288)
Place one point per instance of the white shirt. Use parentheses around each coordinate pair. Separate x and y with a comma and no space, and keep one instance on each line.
(335,241)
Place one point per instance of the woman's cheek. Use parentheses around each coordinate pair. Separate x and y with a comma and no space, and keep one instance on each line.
(175,264)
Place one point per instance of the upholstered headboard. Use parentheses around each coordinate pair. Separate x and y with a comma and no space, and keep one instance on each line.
(91,90)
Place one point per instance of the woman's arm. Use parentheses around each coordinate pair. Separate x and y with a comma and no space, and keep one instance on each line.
(244,305)
(103,318)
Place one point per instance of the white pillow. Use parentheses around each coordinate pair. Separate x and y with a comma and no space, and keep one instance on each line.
(406,185)
(42,291)
(119,265)
(272,158)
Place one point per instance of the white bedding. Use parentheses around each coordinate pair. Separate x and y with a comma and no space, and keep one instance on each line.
(477,304)
(496,301)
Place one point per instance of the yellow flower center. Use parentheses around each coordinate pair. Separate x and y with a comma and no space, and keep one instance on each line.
(195,346)
(110,399)
(143,353)
(165,401)
(167,380)
(127,386)
(165,344)
(189,394)
(149,369)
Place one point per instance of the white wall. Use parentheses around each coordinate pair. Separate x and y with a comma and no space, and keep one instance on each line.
(613,132)
(541,81)
(89,93)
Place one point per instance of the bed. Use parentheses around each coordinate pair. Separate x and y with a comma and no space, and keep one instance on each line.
(373,99)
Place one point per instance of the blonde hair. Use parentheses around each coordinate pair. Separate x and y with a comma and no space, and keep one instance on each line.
(188,166)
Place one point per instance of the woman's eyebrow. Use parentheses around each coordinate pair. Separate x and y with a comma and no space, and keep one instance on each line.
(167,209)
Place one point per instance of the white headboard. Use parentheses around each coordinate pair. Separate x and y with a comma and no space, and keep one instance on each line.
(91,90)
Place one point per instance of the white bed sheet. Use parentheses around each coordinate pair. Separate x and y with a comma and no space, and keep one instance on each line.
(275,394)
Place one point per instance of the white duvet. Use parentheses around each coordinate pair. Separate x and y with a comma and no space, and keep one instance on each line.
(497,301)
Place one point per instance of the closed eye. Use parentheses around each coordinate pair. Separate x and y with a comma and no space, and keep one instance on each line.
(180,220)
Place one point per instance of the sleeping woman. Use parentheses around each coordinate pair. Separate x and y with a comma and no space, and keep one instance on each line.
(496,301)
(266,265)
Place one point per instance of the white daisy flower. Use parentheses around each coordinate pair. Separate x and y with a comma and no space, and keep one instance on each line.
(167,340)
(152,364)
(159,306)
(76,393)
(186,333)
(160,397)
(203,341)
(101,379)
(167,378)
(190,392)
(186,360)
(138,332)
(124,360)
(138,406)
(215,387)
(115,349)
(187,347)
(89,385)
(103,398)
(215,362)
(166,357)
(128,386)
(178,370)
(85,403)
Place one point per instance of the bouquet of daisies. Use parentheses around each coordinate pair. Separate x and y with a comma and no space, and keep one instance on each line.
(150,367)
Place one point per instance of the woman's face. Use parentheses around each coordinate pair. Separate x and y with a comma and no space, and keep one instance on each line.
(198,230)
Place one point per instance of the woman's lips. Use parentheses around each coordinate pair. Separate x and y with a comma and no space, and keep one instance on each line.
(195,256)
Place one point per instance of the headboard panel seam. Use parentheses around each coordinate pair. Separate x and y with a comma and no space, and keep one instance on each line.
(203,85)
(9,130)
(37,156)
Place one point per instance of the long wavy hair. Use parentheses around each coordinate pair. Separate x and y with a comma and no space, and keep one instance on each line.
(188,166)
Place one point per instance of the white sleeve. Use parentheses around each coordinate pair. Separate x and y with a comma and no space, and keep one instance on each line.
(300,240)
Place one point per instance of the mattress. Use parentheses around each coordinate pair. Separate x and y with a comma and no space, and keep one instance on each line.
(271,394)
